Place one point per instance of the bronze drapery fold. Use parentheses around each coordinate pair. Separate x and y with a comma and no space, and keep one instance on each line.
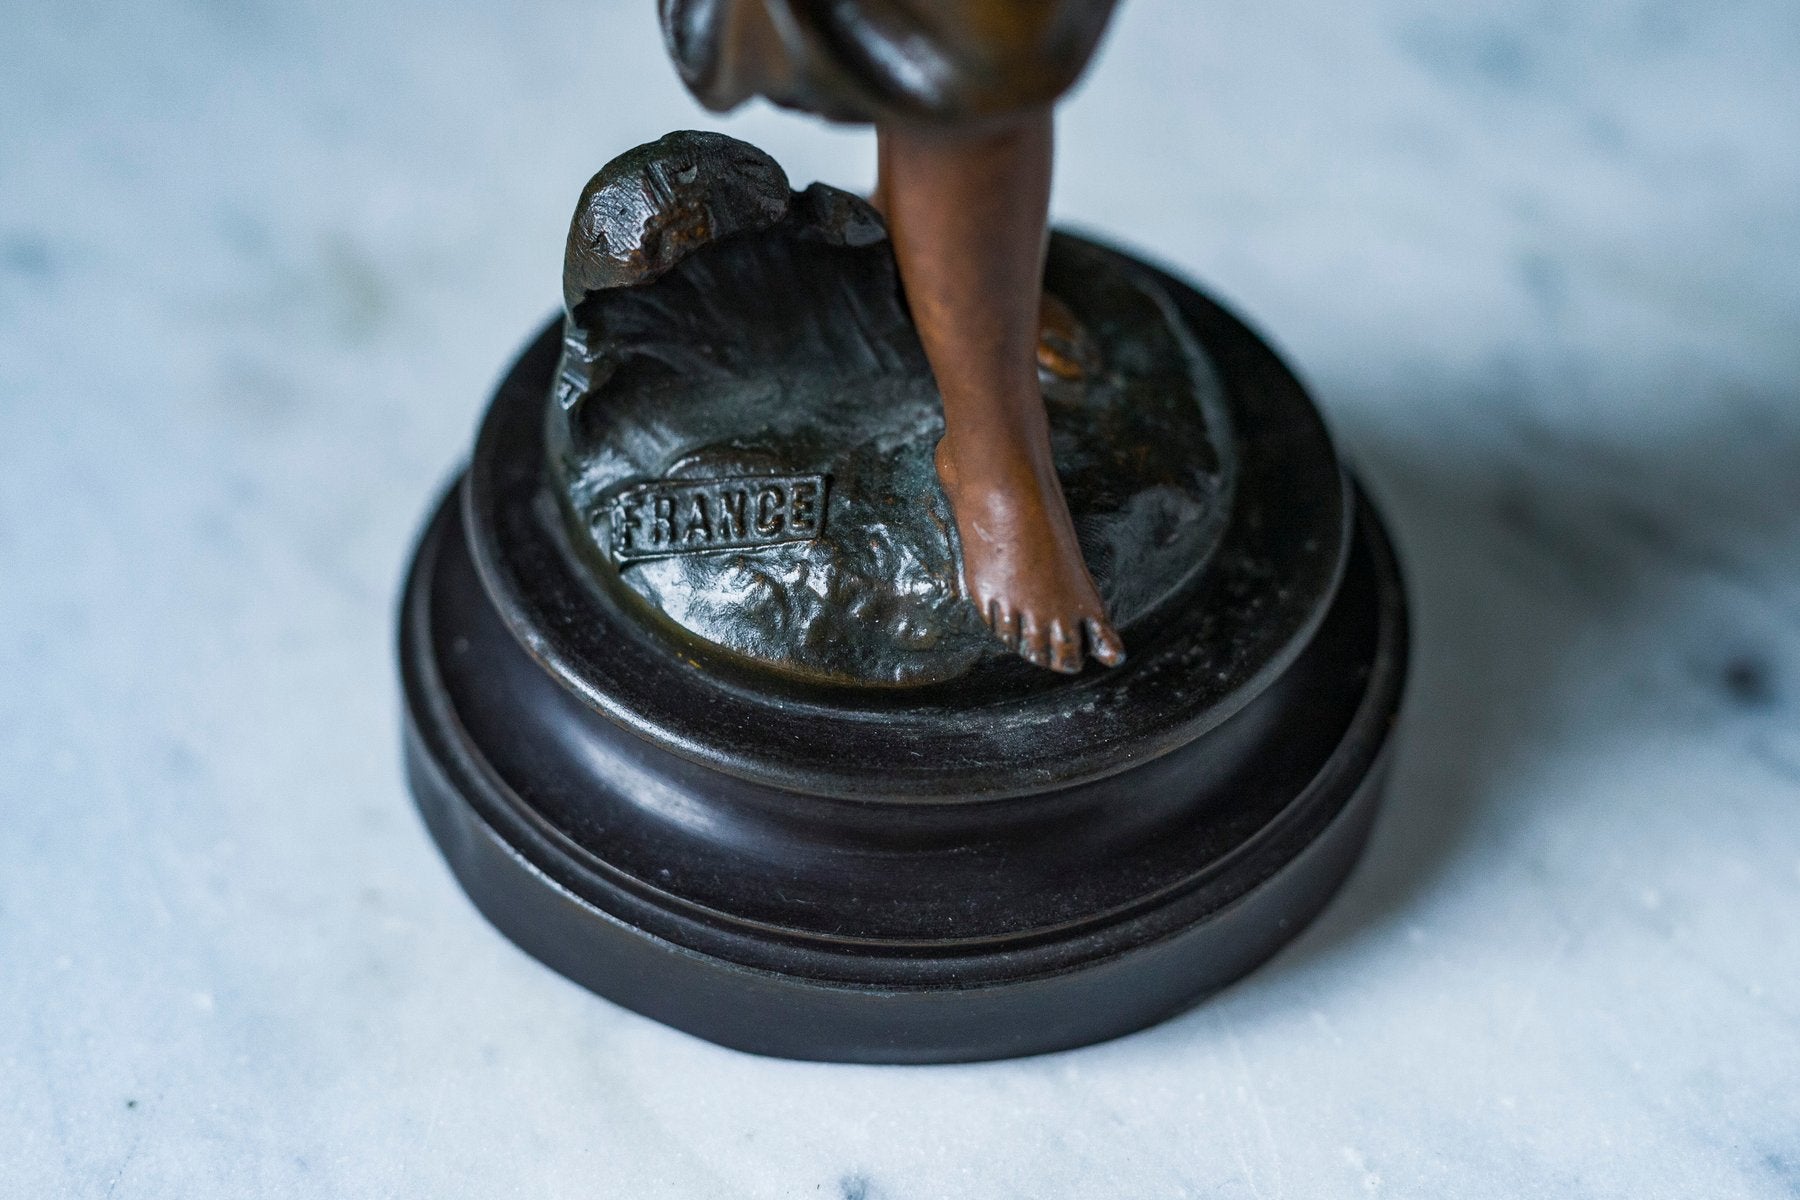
(884,61)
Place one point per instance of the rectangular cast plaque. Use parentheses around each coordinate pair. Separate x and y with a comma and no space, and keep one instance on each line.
(694,516)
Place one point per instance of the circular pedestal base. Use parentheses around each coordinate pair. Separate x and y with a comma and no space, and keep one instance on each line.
(1110,981)
(998,864)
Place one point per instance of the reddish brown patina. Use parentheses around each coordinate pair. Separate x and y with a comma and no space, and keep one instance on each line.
(960,93)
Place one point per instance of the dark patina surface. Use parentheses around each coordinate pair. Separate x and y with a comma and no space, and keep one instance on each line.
(1006,863)
(650,646)
(727,337)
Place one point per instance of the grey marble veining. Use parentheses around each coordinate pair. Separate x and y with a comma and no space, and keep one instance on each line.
(259,265)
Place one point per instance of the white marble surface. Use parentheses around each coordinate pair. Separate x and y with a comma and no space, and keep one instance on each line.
(259,264)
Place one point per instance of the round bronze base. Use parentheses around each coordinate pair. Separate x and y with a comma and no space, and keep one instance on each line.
(1010,864)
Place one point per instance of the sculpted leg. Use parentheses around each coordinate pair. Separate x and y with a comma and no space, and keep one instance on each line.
(968,212)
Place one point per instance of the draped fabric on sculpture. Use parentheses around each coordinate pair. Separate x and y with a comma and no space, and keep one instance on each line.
(916,61)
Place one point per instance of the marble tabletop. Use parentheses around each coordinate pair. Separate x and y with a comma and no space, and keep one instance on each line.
(260,264)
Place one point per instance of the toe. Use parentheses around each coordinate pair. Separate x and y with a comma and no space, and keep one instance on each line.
(1104,644)
(1034,641)
(1005,623)
(1065,648)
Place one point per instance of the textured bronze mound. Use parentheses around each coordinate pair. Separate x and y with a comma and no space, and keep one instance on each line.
(737,349)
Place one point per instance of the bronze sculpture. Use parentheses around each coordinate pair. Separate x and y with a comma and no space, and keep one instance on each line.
(698,708)
(960,96)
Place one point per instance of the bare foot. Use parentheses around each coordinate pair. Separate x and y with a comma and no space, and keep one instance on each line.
(1022,567)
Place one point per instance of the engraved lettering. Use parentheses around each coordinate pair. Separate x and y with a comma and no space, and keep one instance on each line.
(662,525)
(732,502)
(699,524)
(625,523)
(802,510)
(694,516)
(769,503)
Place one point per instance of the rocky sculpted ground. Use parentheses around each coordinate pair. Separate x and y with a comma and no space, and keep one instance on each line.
(744,422)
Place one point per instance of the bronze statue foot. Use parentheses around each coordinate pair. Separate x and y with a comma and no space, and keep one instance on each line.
(1021,564)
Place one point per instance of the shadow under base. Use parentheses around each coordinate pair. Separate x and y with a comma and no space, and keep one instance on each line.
(1003,863)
